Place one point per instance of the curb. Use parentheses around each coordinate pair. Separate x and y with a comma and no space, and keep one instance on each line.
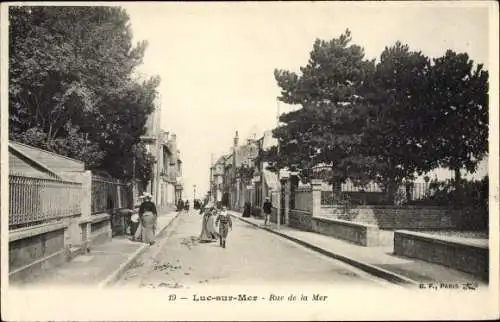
(369,268)
(113,277)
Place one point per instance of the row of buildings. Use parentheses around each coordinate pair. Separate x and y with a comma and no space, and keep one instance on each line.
(166,184)
(240,176)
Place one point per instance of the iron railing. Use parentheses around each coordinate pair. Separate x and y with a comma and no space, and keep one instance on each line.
(109,194)
(34,201)
(373,194)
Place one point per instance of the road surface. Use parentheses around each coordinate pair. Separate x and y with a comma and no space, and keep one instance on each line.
(252,256)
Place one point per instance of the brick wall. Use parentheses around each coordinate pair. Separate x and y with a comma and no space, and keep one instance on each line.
(300,219)
(357,233)
(466,257)
(394,217)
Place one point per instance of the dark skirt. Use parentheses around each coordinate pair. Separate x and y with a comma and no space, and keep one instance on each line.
(246,212)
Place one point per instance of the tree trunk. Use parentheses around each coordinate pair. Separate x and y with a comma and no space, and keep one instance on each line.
(408,189)
(391,188)
(458,187)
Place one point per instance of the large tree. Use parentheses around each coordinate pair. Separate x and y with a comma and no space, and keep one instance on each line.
(395,139)
(327,129)
(71,86)
(457,113)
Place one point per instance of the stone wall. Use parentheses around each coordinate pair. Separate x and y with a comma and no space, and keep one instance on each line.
(357,233)
(463,256)
(34,249)
(101,230)
(300,219)
(394,217)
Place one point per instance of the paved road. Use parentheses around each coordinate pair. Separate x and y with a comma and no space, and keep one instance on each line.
(252,256)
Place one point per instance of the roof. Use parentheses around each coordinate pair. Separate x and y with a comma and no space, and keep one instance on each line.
(49,160)
(19,165)
(22,164)
(221,160)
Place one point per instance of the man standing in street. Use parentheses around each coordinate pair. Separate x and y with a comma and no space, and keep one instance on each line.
(267,206)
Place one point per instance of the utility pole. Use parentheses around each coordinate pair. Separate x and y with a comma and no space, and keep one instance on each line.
(278,215)
(134,189)
(194,192)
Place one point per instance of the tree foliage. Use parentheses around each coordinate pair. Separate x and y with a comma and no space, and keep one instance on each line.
(383,121)
(71,84)
(326,129)
(458,112)
(394,137)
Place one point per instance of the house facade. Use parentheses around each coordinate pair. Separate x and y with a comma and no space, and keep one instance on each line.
(169,171)
(237,177)
(166,183)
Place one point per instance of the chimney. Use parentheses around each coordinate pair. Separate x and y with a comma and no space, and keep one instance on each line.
(236,139)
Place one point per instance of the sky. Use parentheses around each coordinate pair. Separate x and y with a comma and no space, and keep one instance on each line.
(216,60)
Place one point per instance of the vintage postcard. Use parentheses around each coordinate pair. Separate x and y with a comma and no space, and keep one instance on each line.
(237,161)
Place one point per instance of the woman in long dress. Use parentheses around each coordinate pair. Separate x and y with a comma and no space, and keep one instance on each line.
(212,230)
(205,235)
(148,216)
(247,210)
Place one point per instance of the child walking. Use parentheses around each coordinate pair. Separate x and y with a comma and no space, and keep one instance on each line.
(225,225)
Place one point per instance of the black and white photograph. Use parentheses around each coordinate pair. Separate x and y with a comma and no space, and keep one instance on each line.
(242,161)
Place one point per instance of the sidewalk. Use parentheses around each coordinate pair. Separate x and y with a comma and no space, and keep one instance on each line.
(101,266)
(378,261)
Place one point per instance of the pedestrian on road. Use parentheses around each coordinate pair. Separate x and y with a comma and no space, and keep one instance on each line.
(148,218)
(137,227)
(180,205)
(247,210)
(203,206)
(225,225)
(267,206)
(207,224)
(134,224)
(186,205)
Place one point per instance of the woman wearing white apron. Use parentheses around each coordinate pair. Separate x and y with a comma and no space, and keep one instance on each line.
(147,218)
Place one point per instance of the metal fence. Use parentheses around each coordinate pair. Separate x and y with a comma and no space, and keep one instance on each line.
(34,201)
(109,194)
(373,194)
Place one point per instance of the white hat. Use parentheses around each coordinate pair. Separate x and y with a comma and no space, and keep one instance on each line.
(146,195)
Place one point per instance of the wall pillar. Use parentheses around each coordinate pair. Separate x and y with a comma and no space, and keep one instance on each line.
(285,184)
(278,207)
(316,197)
(238,197)
(78,231)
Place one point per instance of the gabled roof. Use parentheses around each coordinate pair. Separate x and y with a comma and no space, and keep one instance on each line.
(22,166)
(21,163)
(47,159)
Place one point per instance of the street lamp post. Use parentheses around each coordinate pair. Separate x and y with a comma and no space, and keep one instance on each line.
(194,192)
